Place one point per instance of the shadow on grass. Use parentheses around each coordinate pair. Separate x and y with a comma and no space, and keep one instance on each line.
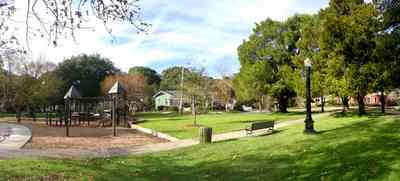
(370,114)
(249,121)
(360,151)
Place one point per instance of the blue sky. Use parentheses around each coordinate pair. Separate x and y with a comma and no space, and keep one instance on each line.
(202,33)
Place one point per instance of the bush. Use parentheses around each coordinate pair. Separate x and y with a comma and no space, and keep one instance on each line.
(173,109)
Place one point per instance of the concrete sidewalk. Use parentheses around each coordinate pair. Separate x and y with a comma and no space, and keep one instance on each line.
(242,133)
(14,136)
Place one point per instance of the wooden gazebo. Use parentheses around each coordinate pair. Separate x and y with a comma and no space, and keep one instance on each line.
(80,109)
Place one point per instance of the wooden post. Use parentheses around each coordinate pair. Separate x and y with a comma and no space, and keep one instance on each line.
(87,114)
(114,116)
(47,118)
(51,117)
(205,135)
(125,114)
(67,116)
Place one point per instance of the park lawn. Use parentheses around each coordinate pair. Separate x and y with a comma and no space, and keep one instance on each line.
(182,126)
(346,148)
(4,115)
(13,115)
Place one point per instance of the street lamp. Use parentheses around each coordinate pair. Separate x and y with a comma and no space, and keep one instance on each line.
(309,123)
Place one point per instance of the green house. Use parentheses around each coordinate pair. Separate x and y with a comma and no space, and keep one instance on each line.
(168,99)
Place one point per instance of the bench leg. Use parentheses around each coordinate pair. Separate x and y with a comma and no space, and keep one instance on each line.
(249,132)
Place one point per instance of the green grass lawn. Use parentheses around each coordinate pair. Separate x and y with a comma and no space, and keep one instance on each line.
(346,148)
(38,115)
(181,126)
(3,115)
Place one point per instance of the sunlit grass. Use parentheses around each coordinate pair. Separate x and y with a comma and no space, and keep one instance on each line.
(347,147)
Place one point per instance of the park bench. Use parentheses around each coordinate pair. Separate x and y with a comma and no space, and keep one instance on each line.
(259,125)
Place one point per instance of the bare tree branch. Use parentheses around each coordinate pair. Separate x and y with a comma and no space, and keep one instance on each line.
(64,18)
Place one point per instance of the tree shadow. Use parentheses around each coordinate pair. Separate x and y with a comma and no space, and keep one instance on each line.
(249,121)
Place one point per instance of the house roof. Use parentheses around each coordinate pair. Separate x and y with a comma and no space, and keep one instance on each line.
(72,93)
(169,92)
(117,88)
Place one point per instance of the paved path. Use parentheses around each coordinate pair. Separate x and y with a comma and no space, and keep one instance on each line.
(242,133)
(13,136)
(76,153)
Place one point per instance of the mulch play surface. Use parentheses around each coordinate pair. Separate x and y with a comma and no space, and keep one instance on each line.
(88,138)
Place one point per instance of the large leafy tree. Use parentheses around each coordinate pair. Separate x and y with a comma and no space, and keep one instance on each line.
(266,60)
(32,85)
(308,46)
(138,92)
(171,77)
(223,90)
(85,71)
(251,83)
(152,77)
(387,67)
(348,38)
(197,86)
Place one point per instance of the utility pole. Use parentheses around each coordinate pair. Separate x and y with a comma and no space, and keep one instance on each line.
(181,98)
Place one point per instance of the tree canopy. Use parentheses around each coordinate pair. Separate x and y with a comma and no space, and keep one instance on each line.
(152,77)
(171,77)
(266,60)
(86,72)
(349,39)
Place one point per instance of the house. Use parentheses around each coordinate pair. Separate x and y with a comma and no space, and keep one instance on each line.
(169,99)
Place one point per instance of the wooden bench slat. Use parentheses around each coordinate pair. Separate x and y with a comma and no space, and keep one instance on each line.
(260,125)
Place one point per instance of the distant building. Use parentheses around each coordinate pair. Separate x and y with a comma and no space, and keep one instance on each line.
(372,99)
(169,99)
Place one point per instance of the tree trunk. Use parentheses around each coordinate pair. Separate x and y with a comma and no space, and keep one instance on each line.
(18,115)
(283,104)
(32,114)
(212,103)
(193,106)
(261,103)
(322,104)
(382,100)
(206,104)
(361,104)
(345,103)
(194,110)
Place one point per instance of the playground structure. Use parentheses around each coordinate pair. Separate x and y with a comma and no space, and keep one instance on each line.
(109,110)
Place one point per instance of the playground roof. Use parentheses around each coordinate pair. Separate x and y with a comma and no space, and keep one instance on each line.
(72,93)
(117,88)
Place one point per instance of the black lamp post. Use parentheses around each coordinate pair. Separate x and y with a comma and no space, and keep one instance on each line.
(309,123)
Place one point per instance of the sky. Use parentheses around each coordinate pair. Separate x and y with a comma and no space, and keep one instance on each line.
(192,33)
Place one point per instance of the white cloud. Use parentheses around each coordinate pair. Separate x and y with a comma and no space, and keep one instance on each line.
(207,30)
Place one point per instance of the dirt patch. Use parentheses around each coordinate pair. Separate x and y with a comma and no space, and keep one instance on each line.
(88,138)
(194,126)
